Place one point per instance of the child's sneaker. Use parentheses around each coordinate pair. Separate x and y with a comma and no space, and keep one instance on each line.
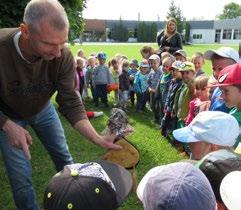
(97,114)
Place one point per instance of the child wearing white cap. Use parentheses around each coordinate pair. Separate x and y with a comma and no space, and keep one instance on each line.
(220,59)
(230,190)
(209,131)
(141,85)
(153,82)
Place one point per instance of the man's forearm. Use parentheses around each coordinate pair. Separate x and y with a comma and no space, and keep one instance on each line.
(87,130)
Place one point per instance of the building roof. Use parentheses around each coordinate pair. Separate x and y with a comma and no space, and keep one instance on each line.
(101,25)
(133,23)
(94,25)
(201,24)
(228,23)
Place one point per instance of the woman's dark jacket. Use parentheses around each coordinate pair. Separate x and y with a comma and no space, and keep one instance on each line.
(175,42)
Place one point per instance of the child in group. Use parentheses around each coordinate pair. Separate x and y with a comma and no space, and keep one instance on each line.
(211,82)
(198,61)
(220,58)
(202,100)
(95,185)
(89,73)
(180,55)
(185,93)
(101,78)
(124,85)
(141,86)
(85,93)
(80,63)
(229,83)
(164,83)
(209,131)
(176,186)
(216,166)
(164,55)
(81,54)
(96,60)
(169,121)
(147,51)
(153,82)
(132,72)
(115,72)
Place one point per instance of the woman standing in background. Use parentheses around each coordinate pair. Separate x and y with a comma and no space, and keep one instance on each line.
(169,40)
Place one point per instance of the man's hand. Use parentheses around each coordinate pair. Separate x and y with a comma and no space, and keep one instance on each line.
(86,129)
(18,137)
(108,142)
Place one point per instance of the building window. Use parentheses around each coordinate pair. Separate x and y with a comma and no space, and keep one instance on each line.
(237,34)
(227,33)
(197,36)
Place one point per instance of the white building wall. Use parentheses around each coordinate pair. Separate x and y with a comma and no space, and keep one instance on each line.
(208,36)
(229,41)
(231,24)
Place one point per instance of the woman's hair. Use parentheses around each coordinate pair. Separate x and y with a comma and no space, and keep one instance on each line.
(201,82)
(171,19)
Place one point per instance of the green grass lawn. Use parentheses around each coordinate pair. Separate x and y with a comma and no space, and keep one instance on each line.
(154,150)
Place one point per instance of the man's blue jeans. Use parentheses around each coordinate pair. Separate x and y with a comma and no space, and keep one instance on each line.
(48,127)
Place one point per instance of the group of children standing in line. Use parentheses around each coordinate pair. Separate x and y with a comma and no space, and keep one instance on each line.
(189,107)
(175,86)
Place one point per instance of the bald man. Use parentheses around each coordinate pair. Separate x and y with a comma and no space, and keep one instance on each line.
(34,65)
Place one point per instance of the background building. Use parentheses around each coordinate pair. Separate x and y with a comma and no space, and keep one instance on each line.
(201,31)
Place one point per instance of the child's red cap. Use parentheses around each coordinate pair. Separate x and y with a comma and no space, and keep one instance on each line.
(230,75)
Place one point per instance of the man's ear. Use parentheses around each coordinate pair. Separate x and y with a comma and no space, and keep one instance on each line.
(24,28)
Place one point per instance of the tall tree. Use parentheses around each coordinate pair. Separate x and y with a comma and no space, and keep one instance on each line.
(119,32)
(153,30)
(11,13)
(176,12)
(146,32)
(230,10)
(187,28)
(141,32)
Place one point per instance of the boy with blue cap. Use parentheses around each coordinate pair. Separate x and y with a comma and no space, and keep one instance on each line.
(101,78)
(176,186)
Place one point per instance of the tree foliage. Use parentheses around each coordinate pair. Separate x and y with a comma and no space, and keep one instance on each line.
(176,12)
(146,32)
(11,13)
(187,28)
(119,32)
(231,10)
(142,32)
